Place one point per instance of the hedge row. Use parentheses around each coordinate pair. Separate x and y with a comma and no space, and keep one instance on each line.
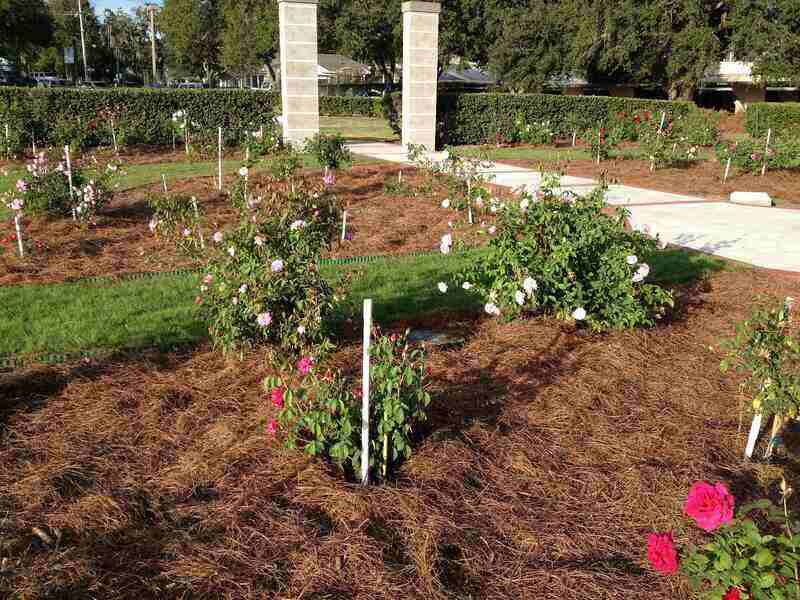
(778,116)
(480,118)
(339,106)
(144,114)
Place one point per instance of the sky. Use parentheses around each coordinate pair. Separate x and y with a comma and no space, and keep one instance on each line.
(101,5)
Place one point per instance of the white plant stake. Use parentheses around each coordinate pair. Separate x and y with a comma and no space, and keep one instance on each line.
(19,235)
(469,201)
(752,438)
(197,218)
(766,150)
(164,183)
(574,137)
(344,225)
(69,179)
(727,170)
(173,140)
(114,136)
(33,143)
(219,161)
(365,393)
(186,132)
(8,143)
(663,118)
(400,177)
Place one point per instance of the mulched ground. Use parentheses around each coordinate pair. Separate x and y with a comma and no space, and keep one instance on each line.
(549,456)
(121,242)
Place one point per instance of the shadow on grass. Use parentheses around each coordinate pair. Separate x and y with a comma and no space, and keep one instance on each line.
(676,266)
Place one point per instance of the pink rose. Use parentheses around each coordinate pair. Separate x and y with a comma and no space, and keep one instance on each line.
(709,505)
(304,365)
(661,553)
(277,397)
(272,427)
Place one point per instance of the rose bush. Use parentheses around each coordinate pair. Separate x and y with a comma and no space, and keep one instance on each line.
(45,190)
(752,555)
(177,217)
(320,411)
(262,282)
(767,351)
(567,257)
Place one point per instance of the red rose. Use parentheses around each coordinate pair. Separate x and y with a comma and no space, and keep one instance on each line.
(277,397)
(661,553)
(709,505)
(733,594)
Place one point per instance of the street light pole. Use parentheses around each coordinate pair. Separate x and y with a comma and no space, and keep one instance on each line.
(151,8)
(83,43)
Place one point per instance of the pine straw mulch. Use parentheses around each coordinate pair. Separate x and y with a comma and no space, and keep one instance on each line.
(702,179)
(121,242)
(548,457)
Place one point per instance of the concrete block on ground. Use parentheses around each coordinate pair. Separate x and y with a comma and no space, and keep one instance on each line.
(761,199)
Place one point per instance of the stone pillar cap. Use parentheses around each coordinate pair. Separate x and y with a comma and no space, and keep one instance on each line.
(298,1)
(422,7)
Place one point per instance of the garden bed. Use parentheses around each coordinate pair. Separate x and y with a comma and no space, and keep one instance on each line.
(121,242)
(701,178)
(549,456)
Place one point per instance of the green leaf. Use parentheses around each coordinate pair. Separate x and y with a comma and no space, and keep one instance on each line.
(764,557)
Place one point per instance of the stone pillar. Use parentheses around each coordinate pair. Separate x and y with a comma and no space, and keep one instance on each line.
(299,82)
(420,73)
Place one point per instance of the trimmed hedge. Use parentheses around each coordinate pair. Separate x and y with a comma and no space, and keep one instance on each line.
(144,113)
(480,118)
(344,106)
(779,116)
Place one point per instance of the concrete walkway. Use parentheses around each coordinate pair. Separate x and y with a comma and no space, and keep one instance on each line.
(764,237)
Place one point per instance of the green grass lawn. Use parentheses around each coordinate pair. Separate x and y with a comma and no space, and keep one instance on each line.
(358,128)
(160,312)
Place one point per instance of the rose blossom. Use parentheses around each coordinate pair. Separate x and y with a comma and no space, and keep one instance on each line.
(208,279)
(579,314)
(217,237)
(661,553)
(632,259)
(277,397)
(232,251)
(467,285)
(530,285)
(305,364)
(442,287)
(264,319)
(243,289)
(733,594)
(519,296)
(258,240)
(277,266)
(21,185)
(243,172)
(446,244)
(709,505)
(272,427)
(446,203)
(492,309)
(329,179)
